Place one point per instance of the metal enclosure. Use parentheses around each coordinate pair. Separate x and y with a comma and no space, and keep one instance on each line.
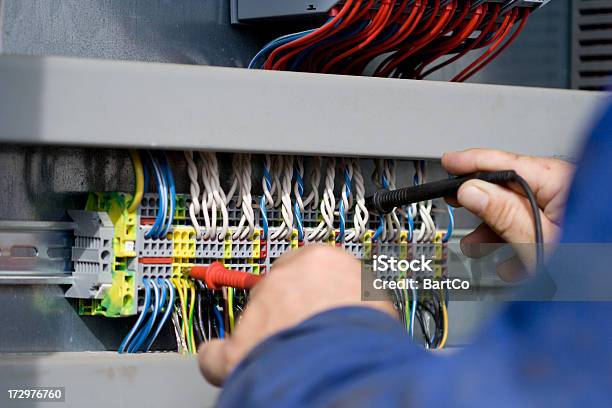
(38,182)
(591,44)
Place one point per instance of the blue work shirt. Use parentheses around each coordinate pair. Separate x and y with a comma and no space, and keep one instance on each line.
(533,354)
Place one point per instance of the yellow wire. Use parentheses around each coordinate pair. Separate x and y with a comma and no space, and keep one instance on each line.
(185,315)
(445,326)
(179,286)
(230,308)
(139,177)
(191,310)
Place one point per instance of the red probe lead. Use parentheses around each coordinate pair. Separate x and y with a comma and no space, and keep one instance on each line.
(217,275)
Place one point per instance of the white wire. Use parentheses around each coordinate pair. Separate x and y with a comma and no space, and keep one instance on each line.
(242,172)
(361,214)
(215,196)
(286,171)
(393,224)
(194,189)
(328,205)
(315,180)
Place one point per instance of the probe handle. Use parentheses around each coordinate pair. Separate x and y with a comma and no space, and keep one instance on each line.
(217,275)
(384,201)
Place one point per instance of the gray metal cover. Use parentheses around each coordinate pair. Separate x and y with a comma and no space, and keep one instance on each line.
(592,44)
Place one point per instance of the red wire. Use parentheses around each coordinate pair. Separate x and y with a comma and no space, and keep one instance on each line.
(401,55)
(404,32)
(502,49)
(280,64)
(378,25)
(486,30)
(456,40)
(323,51)
(498,38)
(314,36)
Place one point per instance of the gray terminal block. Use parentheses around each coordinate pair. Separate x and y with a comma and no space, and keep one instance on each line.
(242,249)
(245,11)
(209,249)
(153,271)
(152,248)
(354,248)
(92,254)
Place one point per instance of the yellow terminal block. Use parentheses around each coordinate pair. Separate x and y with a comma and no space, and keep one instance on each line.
(183,242)
(403,243)
(181,266)
(256,238)
(227,244)
(294,239)
(438,245)
(115,205)
(119,299)
(367,244)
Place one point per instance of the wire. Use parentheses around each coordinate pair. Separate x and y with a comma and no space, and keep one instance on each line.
(162,195)
(147,302)
(139,183)
(219,321)
(144,332)
(451,224)
(194,189)
(167,173)
(166,285)
(255,62)
(444,326)
(191,310)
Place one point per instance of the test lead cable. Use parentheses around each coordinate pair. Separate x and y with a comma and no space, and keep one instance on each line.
(384,201)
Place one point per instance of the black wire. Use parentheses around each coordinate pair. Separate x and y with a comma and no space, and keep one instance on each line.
(539,236)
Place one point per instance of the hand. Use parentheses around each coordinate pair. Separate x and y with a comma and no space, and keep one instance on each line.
(301,284)
(505,210)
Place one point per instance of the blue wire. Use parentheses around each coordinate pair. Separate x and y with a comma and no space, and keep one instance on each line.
(165,284)
(161,192)
(144,332)
(413,312)
(147,303)
(262,202)
(296,208)
(451,224)
(381,219)
(169,177)
(379,230)
(410,223)
(275,44)
(220,322)
(341,209)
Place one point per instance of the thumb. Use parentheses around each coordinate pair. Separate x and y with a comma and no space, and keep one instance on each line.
(212,358)
(506,212)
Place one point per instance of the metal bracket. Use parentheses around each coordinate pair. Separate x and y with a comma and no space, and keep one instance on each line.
(35,252)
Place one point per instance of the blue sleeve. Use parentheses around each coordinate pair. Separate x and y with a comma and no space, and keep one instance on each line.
(533,354)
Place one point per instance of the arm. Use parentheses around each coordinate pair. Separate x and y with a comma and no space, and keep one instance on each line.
(306,339)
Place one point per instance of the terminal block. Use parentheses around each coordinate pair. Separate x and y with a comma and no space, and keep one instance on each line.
(107,217)
(92,255)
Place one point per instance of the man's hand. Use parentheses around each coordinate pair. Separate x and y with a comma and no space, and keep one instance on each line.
(300,285)
(505,211)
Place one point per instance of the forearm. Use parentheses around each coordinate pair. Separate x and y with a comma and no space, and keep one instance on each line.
(348,353)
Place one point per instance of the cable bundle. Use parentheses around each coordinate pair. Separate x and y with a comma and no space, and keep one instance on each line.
(401,39)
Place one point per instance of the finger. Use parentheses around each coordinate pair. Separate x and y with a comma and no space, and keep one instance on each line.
(480,242)
(546,177)
(507,213)
(511,270)
(213,361)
